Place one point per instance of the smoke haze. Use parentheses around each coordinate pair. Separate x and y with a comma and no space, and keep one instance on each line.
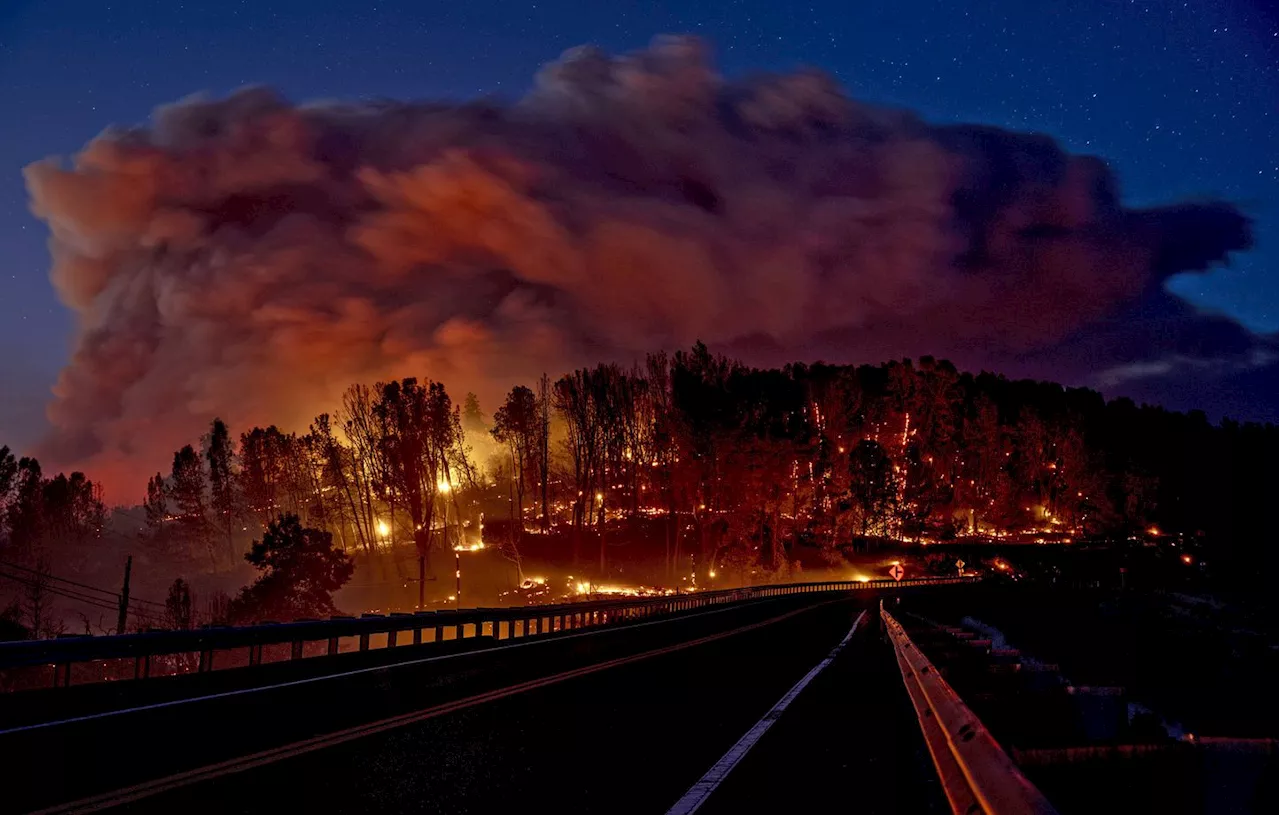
(249,258)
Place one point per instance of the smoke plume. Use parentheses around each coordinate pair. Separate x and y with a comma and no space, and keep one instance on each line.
(249,258)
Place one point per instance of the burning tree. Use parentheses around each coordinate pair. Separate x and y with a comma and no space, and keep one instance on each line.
(419,437)
(516,424)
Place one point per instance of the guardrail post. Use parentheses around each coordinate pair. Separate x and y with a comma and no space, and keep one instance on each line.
(62,675)
(142,666)
(333,646)
(364,642)
(206,662)
(295,649)
(255,655)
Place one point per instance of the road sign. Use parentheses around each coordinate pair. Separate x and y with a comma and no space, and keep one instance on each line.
(959,564)
(895,571)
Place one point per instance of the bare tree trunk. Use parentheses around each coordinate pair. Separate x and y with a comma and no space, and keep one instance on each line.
(544,459)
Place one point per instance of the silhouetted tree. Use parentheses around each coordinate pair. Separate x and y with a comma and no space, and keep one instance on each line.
(156,503)
(516,425)
(872,486)
(8,475)
(544,446)
(419,436)
(473,418)
(41,515)
(262,465)
(300,571)
(178,606)
(187,489)
(224,496)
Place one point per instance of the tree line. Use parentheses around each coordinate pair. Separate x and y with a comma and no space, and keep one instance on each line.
(699,456)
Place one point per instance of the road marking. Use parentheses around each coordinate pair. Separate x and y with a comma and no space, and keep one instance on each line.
(149,788)
(701,791)
(508,645)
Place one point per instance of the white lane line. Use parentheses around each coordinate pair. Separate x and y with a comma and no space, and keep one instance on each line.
(701,791)
(539,640)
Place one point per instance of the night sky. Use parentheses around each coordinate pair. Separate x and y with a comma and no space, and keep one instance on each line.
(1178,97)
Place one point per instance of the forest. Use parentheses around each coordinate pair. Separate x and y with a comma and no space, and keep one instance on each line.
(688,458)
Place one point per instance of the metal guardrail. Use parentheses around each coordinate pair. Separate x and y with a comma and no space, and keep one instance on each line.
(502,623)
(976,773)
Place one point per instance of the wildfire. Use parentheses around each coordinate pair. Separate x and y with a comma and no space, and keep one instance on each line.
(469,547)
(585,588)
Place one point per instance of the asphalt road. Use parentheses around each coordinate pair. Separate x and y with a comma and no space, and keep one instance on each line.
(616,721)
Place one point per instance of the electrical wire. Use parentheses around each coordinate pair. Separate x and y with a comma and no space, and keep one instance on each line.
(69,594)
(108,592)
(103,605)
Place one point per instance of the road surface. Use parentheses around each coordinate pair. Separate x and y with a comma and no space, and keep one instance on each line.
(615,720)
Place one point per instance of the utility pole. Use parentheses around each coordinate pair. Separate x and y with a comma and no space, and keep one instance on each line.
(124,597)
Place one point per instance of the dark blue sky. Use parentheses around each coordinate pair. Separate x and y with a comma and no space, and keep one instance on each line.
(1179,96)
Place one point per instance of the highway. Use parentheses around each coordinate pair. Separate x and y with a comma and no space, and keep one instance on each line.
(613,720)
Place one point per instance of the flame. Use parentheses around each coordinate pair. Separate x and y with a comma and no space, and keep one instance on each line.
(583,587)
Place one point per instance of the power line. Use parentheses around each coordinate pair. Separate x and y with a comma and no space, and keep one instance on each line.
(66,594)
(71,594)
(48,576)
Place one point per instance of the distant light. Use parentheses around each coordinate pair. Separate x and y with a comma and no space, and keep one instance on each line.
(711,573)
(443,485)
(1153,531)
(1187,559)
(383,529)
